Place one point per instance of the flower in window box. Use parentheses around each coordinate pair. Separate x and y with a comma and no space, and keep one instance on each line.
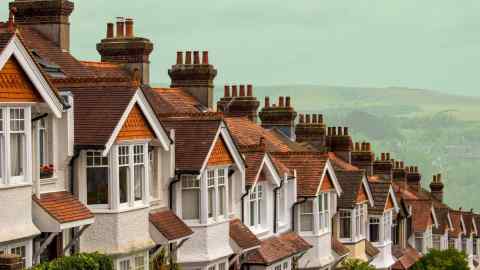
(46,171)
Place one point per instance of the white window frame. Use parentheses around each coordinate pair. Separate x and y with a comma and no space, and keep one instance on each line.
(346,214)
(132,260)
(101,165)
(6,179)
(133,161)
(256,205)
(7,249)
(324,212)
(191,182)
(283,265)
(307,214)
(375,220)
(214,176)
(387,226)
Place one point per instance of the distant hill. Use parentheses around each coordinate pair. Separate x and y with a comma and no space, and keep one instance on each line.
(436,131)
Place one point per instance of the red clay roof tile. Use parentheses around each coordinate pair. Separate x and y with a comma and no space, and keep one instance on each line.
(242,235)
(169,225)
(63,207)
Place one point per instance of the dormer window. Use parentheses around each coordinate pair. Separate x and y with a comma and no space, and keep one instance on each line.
(353,223)
(131,173)
(13,147)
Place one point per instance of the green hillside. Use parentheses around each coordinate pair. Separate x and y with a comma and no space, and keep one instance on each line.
(437,132)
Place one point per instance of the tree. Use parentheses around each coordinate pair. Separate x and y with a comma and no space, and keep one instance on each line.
(81,261)
(356,264)
(449,259)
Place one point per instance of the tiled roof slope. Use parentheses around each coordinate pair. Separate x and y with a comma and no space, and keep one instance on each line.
(406,257)
(468,219)
(106,70)
(456,218)
(193,139)
(51,52)
(339,247)
(253,162)
(370,249)
(380,191)
(276,248)
(310,167)
(442,217)
(169,224)
(63,207)
(340,164)
(351,183)
(242,235)
(246,132)
(421,214)
(98,110)
(172,101)
(5,38)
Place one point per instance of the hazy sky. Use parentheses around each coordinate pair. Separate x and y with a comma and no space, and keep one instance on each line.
(432,44)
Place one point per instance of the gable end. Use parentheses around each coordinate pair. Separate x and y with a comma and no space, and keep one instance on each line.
(15,86)
(136,127)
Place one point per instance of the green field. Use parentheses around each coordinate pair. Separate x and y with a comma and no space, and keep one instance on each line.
(435,131)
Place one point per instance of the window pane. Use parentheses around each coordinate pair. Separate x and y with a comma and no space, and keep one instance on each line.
(190,203)
(139,263)
(123,176)
(125,265)
(139,172)
(97,185)
(20,252)
(306,216)
(211,201)
(221,266)
(252,213)
(345,224)
(221,202)
(260,210)
(2,159)
(17,148)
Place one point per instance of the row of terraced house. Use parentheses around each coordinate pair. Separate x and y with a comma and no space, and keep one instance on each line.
(93,158)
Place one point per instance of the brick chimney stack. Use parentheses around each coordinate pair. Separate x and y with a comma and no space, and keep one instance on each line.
(311,129)
(196,78)
(383,166)
(399,172)
(281,117)
(50,17)
(127,49)
(340,142)
(363,157)
(244,105)
(436,187)
(414,178)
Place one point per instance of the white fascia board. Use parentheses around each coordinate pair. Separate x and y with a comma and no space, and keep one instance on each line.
(369,191)
(435,220)
(394,198)
(329,168)
(160,133)
(273,171)
(18,50)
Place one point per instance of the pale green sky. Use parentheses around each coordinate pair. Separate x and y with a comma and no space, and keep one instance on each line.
(432,44)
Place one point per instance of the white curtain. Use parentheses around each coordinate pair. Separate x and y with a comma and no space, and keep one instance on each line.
(190,203)
(16,154)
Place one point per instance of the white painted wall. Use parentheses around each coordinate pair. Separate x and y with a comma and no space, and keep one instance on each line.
(16,214)
(207,244)
(118,233)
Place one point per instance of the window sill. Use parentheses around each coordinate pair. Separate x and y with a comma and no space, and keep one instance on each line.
(16,185)
(106,210)
(196,222)
(48,181)
(259,231)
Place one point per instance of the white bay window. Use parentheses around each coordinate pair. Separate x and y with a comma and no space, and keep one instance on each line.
(97,179)
(353,223)
(190,197)
(323,211)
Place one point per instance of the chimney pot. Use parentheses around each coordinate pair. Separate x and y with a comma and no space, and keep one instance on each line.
(281,101)
(110,33)
(267,102)
(129,27)
(357,146)
(120,27)
(205,57)
(320,118)
(288,102)
(196,58)
(369,147)
(188,58)
(314,118)
(401,164)
(302,119)
(250,90)
(345,131)
(234,91)
(439,177)
(387,156)
(179,58)
(226,91)
(307,118)
(242,90)
(339,131)
(434,179)
(383,156)
(334,131)
(416,169)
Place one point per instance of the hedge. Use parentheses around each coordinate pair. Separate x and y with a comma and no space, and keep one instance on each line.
(81,261)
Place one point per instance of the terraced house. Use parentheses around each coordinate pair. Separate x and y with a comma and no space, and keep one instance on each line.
(95,158)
